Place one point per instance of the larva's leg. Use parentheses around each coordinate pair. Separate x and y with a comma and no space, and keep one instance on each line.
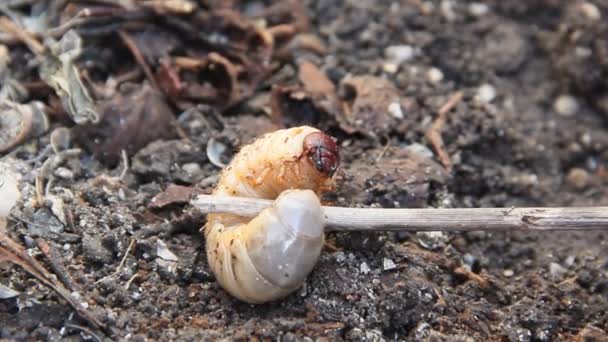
(281,175)
(260,179)
(294,166)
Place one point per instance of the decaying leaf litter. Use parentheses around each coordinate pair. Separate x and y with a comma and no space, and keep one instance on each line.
(155,95)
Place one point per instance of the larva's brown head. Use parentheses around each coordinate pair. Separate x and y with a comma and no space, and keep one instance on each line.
(322,151)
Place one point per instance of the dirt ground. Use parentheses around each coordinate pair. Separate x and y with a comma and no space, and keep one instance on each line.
(531,129)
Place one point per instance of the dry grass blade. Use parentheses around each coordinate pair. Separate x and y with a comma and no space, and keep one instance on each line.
(12,252)
(434,132)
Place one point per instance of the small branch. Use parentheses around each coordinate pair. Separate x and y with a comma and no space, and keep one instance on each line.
(122,262)
(56,263)
(139,57)
(16,254)
(433,134)
(465,219)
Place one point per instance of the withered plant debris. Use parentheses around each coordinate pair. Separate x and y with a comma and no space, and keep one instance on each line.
(433,134)
(12,252)
(371,105)
(129,121)
(18,122)
(60,72)
(144,100)
(313,101)
(174,194)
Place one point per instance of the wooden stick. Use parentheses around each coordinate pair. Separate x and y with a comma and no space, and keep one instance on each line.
(465,219)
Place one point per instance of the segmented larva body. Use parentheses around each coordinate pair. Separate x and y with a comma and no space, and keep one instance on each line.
(266,258)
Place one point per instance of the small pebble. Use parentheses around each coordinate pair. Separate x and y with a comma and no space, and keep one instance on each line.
(192,168)
(557,271)
(478,9)
(388,264)
(570,260)
(163,252)
(583,52)
(486,93)
(471,262)
(398,54)
(508,273)
(591,11)
(64,173)
(586,139)
(566,105)
(364,269)
(447,10)
(340,257)
(434,76)
(578,178)
(6,292)
(419,149)
(390,68)
(432,240)
(395,110)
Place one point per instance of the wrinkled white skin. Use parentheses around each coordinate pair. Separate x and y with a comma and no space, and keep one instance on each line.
(269,257)
(293,240)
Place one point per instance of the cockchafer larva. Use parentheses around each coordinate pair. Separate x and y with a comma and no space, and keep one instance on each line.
(268,257)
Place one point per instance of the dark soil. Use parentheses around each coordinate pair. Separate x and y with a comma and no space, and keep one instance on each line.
(521,146)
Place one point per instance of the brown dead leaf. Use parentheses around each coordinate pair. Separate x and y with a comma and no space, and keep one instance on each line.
(216,82)
(174,194)
(315,102)
(131,120)
(310,42)
(315,81)
(371,105)
(18,122)
(293,106)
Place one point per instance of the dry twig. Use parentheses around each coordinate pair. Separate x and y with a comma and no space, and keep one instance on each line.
(132,46)
(122,262)
(54,259)
(434,132)
(13,252)
(464,219)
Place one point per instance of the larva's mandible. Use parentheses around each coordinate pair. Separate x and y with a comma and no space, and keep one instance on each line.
(266,258)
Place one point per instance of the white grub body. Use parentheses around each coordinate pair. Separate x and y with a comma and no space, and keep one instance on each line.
(268,257)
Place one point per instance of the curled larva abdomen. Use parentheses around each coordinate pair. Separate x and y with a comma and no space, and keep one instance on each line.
(267,257)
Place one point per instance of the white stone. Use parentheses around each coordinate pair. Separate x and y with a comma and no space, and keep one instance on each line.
(591,11)
(478,9)
(486,93)
(447,10)
(9,191)
(395,110)
(163,252)
(191,168)
(434,75)
(364,268)
(398,54)
(388,264)
(64,173)
(566,105)
(390,68)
